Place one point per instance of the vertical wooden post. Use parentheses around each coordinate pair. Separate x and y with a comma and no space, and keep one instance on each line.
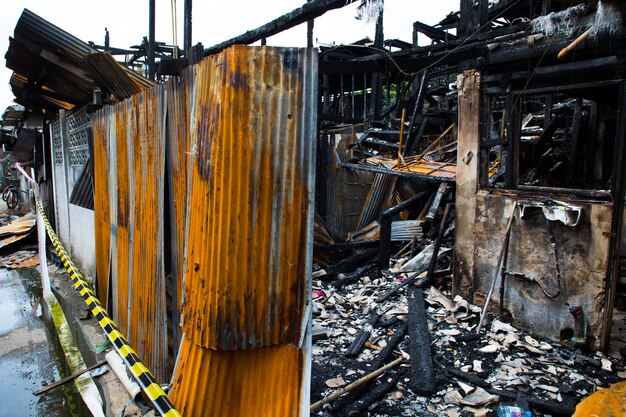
(467,181)
(617,191)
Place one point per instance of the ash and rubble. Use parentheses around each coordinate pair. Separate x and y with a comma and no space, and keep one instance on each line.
(474,372)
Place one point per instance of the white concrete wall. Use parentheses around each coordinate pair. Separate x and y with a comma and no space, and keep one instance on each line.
(82,239)
(74,225)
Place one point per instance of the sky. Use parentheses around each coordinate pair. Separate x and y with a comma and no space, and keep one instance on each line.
(213,22)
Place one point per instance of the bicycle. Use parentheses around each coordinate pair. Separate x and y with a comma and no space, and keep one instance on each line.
(11,196)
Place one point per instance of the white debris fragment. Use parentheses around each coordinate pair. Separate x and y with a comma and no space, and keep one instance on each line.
(335,382)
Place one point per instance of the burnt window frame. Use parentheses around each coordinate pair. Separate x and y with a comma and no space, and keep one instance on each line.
(512,139)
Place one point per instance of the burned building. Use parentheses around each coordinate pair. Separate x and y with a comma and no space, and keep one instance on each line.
(224,205)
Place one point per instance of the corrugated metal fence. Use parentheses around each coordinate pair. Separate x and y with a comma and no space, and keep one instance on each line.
(233,142)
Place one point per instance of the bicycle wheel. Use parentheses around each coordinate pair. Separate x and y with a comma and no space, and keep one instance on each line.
(13,199)
(5,194)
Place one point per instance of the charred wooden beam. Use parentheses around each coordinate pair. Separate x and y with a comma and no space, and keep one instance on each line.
(307,12)
(360,406)
(393,341)
(362,336)
(617,192)
(422,372)
(352,262)
(151,39)
(432,211)
(336,247)
(345,279)
(433,32)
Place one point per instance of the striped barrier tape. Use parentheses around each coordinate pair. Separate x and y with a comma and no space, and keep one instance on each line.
(142,374)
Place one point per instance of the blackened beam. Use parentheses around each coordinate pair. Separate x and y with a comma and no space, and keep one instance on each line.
(557,70)
(402,174)
(446,53)
(433,32)
(422,369)
(306,12)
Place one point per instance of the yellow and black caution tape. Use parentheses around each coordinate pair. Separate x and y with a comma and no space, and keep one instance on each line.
(144,377)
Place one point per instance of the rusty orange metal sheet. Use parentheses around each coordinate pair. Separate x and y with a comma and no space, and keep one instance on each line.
(178,154)
(262,382)
(147,302)
(134,137)
(250,220)
(122,218)
(250,226)
(101,204)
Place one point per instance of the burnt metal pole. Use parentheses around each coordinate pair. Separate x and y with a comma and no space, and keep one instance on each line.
(187,27)
(377,88)
(309,31)
(151,39)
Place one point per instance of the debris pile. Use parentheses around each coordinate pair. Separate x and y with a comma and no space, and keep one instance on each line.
(443,367)
(394,340)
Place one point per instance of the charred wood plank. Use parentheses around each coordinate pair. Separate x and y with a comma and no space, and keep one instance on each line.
(433,32)
(335,247)
(432,211)
(403,284)
(433,260)
(351,263)
(350,278)
(359,407)
(359,340)
(306,12)
(422,372)
(361,381)
(393,341)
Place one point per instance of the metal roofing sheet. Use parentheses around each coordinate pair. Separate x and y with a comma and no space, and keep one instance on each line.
(57,70)
(255,382)
(250,220)
(35,29)
(114,77)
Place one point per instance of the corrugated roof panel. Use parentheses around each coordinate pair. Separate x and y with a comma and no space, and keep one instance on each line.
(35,29)
(114,77)
(251,190)
(261,382)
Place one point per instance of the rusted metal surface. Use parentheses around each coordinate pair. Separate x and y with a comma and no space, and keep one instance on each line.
(252,382)
(120,302)
(133,142)
(250,199)
(178,155)
(147,278)
(248,253)
(101,203)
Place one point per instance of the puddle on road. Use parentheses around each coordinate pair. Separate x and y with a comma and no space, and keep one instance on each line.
(10,313)
(32,364)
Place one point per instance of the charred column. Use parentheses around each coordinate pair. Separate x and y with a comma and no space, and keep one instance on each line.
(151,39)
(376,84)
(187,27)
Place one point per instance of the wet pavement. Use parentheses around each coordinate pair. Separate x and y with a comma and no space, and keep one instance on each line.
(29,352)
